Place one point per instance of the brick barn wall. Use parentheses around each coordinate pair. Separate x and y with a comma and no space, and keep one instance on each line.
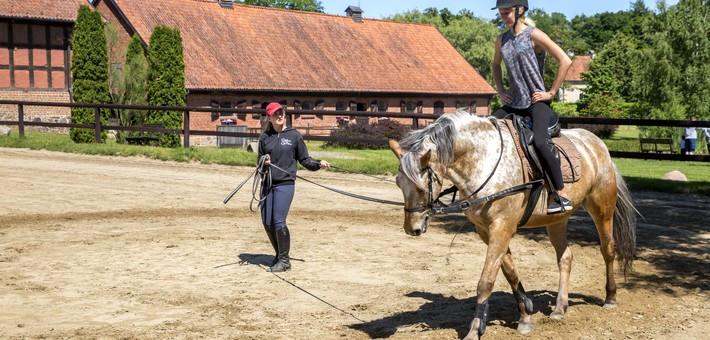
(306,123)
(38,113)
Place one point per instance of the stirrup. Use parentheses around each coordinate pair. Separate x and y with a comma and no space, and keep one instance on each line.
(559,204)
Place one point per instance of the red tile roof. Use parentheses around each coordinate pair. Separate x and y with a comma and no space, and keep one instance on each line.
(62,10)
(579,64)
(258,48)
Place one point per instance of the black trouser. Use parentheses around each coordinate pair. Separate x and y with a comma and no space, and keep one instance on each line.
(274,208)
(542,118)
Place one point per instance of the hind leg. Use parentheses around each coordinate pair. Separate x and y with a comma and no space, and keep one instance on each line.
(558,237)
(602,212)
(525,305)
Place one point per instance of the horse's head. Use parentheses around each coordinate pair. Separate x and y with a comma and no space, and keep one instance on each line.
(419,178)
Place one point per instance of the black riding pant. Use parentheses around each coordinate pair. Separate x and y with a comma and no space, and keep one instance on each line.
(542,117)
(277,202)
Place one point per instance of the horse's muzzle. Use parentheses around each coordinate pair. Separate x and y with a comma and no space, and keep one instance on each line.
(417,231)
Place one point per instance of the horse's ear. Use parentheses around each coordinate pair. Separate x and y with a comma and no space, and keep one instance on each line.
(394,146)
(424,161)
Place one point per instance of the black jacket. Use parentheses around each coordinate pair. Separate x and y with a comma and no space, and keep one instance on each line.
(285,148)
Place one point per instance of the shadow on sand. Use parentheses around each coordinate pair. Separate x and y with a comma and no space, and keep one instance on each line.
(459,312)
(671,234)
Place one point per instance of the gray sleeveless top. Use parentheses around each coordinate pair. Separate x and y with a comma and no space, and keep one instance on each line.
(525,67)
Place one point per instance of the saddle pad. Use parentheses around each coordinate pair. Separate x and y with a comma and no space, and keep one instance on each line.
(570,160)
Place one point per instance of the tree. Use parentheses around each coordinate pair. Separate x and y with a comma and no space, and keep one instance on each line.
(611,73)
(166,80)
(135,83)
(89,73)
(301,5)
(115,80)
(674,73)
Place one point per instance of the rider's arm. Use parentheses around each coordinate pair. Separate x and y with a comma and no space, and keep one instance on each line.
(542,40)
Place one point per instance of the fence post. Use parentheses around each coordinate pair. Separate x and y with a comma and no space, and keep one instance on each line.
(415,123)
(97,124)
(21,120)
(186,128)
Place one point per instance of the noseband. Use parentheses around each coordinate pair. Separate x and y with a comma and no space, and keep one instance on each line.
(431,202)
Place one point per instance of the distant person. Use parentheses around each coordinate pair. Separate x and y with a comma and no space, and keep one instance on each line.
(523,49)
(282,146)
(690,137)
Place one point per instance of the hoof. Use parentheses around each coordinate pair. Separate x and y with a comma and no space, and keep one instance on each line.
(525,328)
(557,316)
(473,332)
(611,305)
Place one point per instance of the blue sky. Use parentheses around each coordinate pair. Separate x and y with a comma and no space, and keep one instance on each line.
(377,9)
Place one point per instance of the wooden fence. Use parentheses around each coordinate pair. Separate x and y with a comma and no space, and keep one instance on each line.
(416,118)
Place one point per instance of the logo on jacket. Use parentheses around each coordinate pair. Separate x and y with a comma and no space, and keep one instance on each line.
(286,142)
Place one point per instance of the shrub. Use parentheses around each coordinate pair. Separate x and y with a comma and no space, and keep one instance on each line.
(565,109)
(380,130)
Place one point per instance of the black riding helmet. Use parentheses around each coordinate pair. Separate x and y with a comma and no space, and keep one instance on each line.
(511,3)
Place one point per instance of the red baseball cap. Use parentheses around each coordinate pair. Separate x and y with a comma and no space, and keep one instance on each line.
(272,108)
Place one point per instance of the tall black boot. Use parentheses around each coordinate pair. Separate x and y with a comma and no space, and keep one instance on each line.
(271,232)
(284,241)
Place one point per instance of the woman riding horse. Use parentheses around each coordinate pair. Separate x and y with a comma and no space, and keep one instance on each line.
(523,48)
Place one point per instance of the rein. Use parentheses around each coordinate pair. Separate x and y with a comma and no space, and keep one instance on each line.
(365,198)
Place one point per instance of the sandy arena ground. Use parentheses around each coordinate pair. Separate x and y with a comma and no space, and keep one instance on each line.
(108,247)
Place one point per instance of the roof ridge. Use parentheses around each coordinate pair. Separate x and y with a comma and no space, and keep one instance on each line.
(239,4)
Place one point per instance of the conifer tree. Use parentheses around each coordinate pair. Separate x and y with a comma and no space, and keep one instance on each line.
(166,80)
(89,73)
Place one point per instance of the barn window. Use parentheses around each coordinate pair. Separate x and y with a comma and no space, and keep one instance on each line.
(439,107)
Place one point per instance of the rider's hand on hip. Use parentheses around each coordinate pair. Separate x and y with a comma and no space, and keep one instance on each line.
(542,97)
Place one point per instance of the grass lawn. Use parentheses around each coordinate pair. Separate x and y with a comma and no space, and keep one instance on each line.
(640,174)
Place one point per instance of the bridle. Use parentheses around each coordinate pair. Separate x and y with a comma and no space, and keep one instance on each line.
(431,201)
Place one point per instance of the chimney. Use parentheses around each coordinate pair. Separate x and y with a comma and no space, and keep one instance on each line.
(226,3)
(354,12)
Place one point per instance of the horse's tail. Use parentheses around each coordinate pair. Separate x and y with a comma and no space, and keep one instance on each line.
(624,225)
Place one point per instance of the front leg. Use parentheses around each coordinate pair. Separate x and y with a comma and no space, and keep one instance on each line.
(499,239)
(525,305)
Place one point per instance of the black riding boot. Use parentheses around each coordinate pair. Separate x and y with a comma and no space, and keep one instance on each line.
(271,232)
(284,241)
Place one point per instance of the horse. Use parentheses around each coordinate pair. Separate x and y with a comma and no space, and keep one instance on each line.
(477,157)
